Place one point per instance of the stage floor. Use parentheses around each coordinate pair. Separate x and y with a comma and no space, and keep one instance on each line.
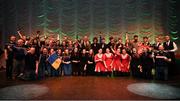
(89,88)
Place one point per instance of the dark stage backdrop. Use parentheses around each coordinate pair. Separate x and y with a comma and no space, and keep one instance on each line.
(76,18)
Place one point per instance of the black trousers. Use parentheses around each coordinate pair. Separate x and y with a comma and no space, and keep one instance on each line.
(9,68)
(147,72)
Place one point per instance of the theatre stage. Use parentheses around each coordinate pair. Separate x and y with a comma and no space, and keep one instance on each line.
(89,88)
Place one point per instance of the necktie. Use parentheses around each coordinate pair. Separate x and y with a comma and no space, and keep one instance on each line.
(167,43)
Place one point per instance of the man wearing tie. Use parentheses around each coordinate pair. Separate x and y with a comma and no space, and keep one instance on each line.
(171,48)
(157,43)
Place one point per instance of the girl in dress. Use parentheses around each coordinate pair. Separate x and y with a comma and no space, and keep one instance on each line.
(75,62)
(83,62)
(108,60)
(99,68)
(90,63)
(117,65)
(125,60)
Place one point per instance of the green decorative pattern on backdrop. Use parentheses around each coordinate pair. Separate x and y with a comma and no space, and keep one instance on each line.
(76,18)
(172,19)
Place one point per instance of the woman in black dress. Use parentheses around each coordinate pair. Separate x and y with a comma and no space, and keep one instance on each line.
(31,62)
(75,62)
(90,63)
(43,63)
(83,62)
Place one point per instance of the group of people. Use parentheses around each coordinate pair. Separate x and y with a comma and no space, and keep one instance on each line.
(28,57)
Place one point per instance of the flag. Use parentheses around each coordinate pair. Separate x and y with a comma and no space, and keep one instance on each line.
(54,61)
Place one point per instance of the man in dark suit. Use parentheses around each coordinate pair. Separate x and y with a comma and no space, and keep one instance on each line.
(9,56)
(103,45)
(95,45)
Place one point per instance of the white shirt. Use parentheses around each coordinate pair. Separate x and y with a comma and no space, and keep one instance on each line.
(174,45)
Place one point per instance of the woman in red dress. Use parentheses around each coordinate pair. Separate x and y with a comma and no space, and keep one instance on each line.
(108,60)
(117,65)
(99,68)
(125,60)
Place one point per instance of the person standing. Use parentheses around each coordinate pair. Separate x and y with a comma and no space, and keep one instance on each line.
(19,59)
(86,44)
(42,67)
(135,64)
(95,45)
(31,62)
(125,60)
(70,46)
(171,48)
(146,41)
(83,63)
(50,69)
(157,43)
(117,65)
(60,55)
(64,46)
(90,63)
(111,44)
(9,56)
(108,61)
(162,59)
(75,58)
(135,42)
(103,45)
(67,67)
(119,44)
(128,46)
(146,63)
(99,67)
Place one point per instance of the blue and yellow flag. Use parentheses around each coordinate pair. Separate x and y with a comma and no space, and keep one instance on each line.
(54,61)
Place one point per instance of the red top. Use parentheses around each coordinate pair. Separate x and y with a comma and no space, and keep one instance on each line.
(125,60)
(99,63)
(108,60)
